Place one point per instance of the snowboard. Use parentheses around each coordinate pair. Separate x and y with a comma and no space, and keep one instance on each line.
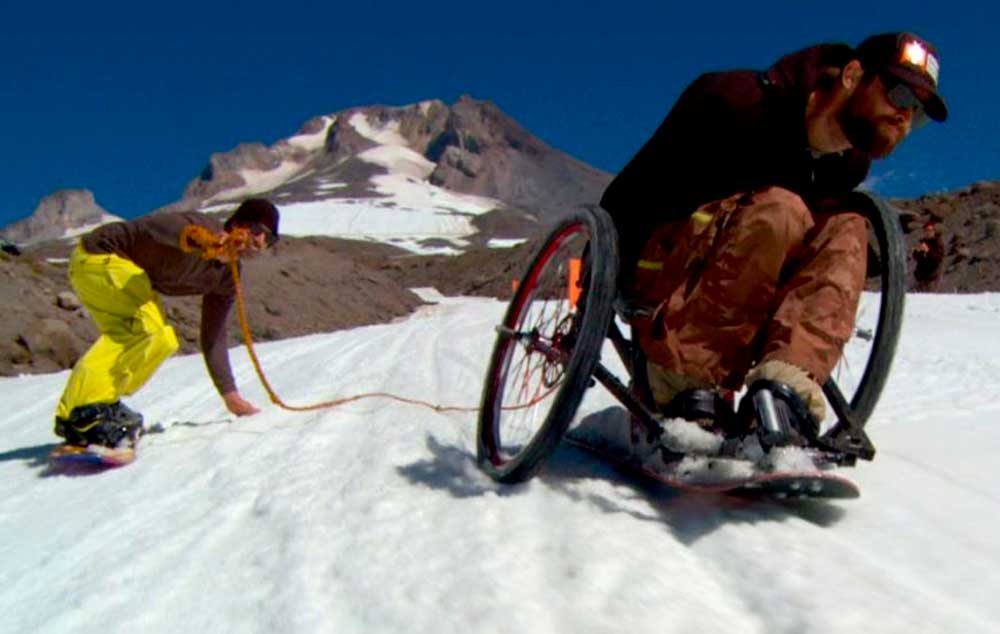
(90,458)
(788,479)
(78,460)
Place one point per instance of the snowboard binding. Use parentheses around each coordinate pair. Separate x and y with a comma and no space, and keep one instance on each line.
(111,425)
(778,415)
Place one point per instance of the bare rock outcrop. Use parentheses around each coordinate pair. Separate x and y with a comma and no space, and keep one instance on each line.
(59,214)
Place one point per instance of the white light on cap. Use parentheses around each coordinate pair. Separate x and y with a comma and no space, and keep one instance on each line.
(914,53)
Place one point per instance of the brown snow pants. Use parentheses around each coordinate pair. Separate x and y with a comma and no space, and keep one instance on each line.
(751,278)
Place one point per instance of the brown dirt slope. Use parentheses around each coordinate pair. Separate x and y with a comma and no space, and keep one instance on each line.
(305,286)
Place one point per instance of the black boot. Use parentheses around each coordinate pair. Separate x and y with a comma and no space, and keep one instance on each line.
(778,414)
(708,410)
(104,424)
(705,407)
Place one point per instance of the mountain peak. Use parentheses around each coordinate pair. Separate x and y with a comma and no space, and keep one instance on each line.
(469,147)
(64,213)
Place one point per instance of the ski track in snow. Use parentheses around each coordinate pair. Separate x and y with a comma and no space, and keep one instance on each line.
(372,517)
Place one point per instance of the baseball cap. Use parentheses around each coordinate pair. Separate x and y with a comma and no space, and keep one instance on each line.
(256,212)
(909,58)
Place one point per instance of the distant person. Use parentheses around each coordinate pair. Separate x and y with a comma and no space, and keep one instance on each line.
(740,234)
(929,256)
(9,247)
(117,271)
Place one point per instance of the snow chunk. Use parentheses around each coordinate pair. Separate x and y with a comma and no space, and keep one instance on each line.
(257,181)
(315,140)
(400,160)
(421,195)
(505,243)
(386,135)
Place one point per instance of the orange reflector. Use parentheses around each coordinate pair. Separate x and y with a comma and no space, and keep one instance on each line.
(573,290)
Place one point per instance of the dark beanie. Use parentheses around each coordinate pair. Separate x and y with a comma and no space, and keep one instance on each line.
(255,211)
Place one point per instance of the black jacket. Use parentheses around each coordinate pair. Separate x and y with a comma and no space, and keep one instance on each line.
(731,132)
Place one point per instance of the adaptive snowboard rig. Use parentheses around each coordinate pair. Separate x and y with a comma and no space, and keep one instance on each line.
(693,458)
(800,483)
(553,337)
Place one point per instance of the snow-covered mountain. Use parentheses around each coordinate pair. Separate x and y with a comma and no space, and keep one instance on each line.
(427,177)
(374,518)
(470,147)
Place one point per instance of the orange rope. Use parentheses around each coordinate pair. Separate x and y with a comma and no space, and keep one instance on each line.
(213,245)
(248,341)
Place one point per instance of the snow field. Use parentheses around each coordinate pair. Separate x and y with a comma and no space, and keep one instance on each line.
(373,517)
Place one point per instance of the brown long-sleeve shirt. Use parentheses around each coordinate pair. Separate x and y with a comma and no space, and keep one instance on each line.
(153,244)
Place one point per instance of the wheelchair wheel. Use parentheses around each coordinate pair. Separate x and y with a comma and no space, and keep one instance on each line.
(856,384)
(547,346)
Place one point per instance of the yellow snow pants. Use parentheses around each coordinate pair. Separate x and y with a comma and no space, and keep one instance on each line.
(135,337)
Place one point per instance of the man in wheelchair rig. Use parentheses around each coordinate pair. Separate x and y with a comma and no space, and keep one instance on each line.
(742,247)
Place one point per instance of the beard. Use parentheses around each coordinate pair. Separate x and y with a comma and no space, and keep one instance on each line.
(877,136)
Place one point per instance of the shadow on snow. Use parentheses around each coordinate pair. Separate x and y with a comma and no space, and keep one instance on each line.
(37,457)
(687,515)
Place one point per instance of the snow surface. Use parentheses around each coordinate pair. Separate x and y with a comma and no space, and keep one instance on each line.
(378,220)
(407,213)
(373,517)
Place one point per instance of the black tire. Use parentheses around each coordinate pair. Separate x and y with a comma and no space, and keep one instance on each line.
(854,404)
(547,347)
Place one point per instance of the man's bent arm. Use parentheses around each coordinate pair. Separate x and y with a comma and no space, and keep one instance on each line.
(214,314)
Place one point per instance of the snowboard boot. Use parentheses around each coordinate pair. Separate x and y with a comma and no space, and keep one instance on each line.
(778,414)
(107,424)
(703,406)
(680,396)
(708,410)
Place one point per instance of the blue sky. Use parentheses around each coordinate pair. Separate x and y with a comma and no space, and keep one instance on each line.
(130,101)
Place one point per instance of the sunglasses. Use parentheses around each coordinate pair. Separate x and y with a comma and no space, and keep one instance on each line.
(902,96)
(270,238)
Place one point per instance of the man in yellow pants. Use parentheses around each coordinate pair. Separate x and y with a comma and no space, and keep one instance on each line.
(118,272)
